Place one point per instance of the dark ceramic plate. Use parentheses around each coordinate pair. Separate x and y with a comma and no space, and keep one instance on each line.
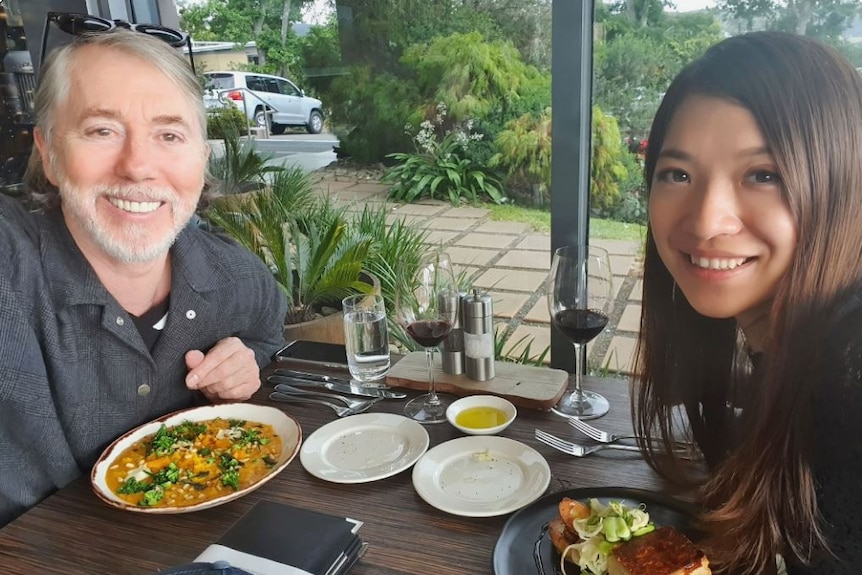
(524,547)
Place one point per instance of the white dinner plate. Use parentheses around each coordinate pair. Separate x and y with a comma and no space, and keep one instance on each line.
(481,476)
(285,426)
(363,447)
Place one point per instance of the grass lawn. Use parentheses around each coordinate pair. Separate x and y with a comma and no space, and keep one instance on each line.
(540,221)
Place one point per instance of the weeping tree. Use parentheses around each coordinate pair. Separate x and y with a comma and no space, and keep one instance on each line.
(467,74)
(524,152)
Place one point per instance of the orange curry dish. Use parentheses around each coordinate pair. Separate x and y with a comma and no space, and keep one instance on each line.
(194,462)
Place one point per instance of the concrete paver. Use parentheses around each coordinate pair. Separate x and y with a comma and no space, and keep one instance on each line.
(472,213)
(351,195)
(335,186)
(372,187)
(524,259)
(445,223)
(511,280)
(439,238)
(467,271)
(620,264)
(514,228)
(507,305)
(539,312)
(637,291)
(470,256)
(420,209)
(407,219)
(521,262)
(536,242)
(538,337)
(631,319)
(495,241)
(618,247)
(620,355)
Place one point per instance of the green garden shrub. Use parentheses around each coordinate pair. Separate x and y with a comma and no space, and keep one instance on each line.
(225,122)
(631,205)
(524,152)
(443,164)
(607,167)
(369,114)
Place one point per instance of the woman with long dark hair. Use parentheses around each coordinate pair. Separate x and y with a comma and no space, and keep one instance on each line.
(752,309)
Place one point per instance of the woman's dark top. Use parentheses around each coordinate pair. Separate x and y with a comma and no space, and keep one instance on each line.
(837,446)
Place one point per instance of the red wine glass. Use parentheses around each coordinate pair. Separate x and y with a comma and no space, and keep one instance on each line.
(421,309)
(580,293)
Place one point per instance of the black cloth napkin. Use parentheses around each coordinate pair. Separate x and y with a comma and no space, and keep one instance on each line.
(216,568)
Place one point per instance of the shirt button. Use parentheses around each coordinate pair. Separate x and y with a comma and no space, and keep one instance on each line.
(120,321)
(191,314)
(143,390)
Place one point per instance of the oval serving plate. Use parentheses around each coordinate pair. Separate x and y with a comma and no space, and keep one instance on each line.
(285,426)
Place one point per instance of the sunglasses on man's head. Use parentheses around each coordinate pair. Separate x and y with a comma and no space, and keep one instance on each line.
(79,24)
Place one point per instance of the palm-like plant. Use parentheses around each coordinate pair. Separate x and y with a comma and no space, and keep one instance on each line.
(304,241)
(398,242)
(240,168)
(328,262)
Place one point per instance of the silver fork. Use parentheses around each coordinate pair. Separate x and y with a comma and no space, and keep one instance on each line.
(354,407)
(290,390)
(595,433)
(601,436)
(576,449)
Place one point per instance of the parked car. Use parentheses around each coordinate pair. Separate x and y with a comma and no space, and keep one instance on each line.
(264,98)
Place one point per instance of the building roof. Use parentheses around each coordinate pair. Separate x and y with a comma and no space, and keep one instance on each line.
(201,46)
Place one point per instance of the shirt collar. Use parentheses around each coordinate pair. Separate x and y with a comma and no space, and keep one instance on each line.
(72,280)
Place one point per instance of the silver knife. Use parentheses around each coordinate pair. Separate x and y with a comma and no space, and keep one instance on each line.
(307,376)
(349,388)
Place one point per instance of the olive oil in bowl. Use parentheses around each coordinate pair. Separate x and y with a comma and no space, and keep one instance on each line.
(481,417)
(481,414)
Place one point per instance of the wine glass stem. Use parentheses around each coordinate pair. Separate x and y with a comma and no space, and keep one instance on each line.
(578,394)
(432,392)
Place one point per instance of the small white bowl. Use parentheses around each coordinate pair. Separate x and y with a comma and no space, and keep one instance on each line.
(471,401)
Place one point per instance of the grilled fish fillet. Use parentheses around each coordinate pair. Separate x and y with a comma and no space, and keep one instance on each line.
(665,551)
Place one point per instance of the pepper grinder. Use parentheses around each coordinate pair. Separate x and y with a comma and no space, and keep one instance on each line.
(477,320)
(452,348)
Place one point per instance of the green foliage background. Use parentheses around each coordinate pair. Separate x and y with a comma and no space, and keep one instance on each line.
(488,61)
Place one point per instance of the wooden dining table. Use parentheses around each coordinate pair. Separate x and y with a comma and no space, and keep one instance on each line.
(72,532)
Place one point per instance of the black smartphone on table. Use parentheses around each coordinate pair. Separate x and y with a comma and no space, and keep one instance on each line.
(314,354)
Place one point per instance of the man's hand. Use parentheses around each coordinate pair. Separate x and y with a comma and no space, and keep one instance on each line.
(228,372)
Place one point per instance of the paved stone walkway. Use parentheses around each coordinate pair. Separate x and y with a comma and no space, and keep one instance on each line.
(512,263)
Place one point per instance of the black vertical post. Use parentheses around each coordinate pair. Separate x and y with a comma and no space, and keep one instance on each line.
(571,97)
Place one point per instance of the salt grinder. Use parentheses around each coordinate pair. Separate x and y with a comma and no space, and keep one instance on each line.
(477,319)
(452,348)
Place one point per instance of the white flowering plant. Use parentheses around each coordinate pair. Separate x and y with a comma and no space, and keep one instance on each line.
(442,165)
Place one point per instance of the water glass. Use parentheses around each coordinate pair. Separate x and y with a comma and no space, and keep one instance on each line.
(366,336)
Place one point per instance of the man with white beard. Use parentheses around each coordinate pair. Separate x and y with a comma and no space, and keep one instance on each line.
(114,309)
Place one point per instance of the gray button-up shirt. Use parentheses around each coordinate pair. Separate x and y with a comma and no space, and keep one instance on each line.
(72,363)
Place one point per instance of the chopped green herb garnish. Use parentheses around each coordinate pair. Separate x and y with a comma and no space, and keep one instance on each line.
(189,430)
(152,496)
(170,474)
(230,471)
(231,479)
(163,442)
(132,485)
(249,436)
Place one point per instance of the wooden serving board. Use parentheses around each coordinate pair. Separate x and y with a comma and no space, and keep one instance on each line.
(523,385)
